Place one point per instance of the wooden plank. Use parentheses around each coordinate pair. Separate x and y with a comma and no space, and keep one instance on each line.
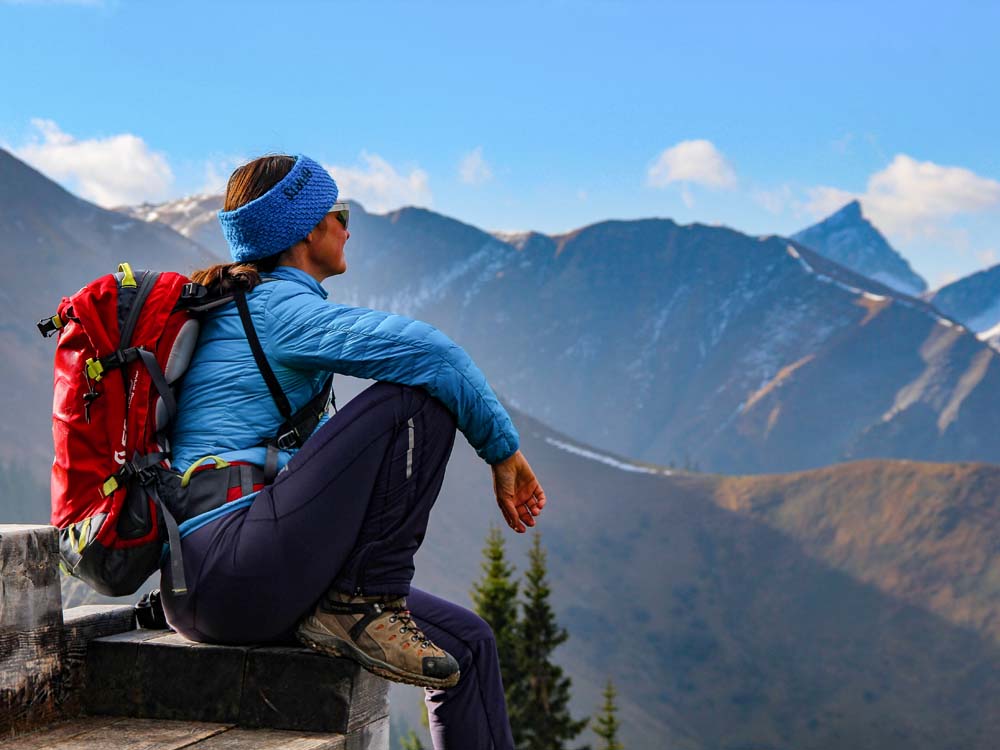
(111,671)
(185,680)
(119,734)
(55,734)
(161,675)
(271,739)
(29,566)
(104,732)
(83,625)
(31,635)
(294,688)
(369,700)
(119,616)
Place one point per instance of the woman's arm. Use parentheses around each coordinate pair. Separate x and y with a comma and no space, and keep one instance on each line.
(303,331)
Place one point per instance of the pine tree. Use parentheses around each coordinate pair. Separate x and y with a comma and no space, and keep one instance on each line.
(411,741)
(494,598)
(606,725)
(542,696)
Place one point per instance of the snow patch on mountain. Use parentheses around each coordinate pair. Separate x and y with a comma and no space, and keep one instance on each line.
(605,459)
(409,301)
(991,336)
(514,239)
(489,272)
(183,214)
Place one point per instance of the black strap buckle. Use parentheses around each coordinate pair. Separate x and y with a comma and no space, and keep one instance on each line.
(192,292)
(128,471)
(144,472)
(120,358)
(48,326)
(288,440)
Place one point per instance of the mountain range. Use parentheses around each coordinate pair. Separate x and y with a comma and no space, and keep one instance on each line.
(846,605)
(691,345)
(848,238)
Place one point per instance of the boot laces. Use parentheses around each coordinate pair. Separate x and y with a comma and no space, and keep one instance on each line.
(403,615)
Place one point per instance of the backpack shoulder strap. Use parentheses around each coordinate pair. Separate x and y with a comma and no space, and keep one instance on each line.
(298,425)
(280,399)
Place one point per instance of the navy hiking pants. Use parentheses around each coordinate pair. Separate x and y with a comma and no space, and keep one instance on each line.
(349,511)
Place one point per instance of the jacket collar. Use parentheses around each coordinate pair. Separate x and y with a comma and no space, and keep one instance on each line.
(290,273)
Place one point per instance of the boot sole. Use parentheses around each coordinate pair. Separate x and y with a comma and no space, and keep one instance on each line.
(331,645)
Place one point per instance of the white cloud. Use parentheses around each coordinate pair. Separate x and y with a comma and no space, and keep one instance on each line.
(379,187)
(910,198)
(989,257)
(113,171)
(474,169)
(696,162)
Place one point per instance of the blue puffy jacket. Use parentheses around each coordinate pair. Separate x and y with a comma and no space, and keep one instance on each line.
(226,410)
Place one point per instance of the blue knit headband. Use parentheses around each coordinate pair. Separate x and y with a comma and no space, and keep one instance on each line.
(281,217)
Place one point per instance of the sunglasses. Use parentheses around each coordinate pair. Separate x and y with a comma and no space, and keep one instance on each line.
(342,212)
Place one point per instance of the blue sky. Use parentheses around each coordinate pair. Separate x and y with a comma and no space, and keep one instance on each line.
(533,115)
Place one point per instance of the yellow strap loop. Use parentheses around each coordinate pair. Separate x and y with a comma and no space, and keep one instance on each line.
(126,269)
(57,322)
(219,464)
(109,486)
(95,370)
(84,532)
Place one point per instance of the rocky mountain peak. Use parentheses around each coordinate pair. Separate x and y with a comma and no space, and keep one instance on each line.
(850,239)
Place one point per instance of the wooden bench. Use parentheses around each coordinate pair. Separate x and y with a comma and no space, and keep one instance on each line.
(86,678)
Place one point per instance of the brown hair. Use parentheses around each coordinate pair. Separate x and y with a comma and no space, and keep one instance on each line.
(247,183)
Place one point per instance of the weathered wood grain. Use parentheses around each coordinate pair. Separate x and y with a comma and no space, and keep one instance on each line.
(111,672)
(293,688)
(162,675)
(56,734)
(119,734)
(112,733)
(31,626)
(369,700)
(82,625)
(273,739)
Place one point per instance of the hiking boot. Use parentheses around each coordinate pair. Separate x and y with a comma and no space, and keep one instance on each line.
(379,635)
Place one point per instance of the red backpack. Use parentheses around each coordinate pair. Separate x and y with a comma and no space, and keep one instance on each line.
(124,340)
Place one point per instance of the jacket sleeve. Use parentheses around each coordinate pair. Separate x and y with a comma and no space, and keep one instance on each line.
(303,331)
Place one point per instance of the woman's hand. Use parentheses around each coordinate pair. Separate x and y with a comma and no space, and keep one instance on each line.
(519,494)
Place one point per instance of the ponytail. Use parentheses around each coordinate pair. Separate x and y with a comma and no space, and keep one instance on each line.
(225,278)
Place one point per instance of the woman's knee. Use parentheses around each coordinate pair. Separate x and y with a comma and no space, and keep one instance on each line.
(477,630)
(473,641)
